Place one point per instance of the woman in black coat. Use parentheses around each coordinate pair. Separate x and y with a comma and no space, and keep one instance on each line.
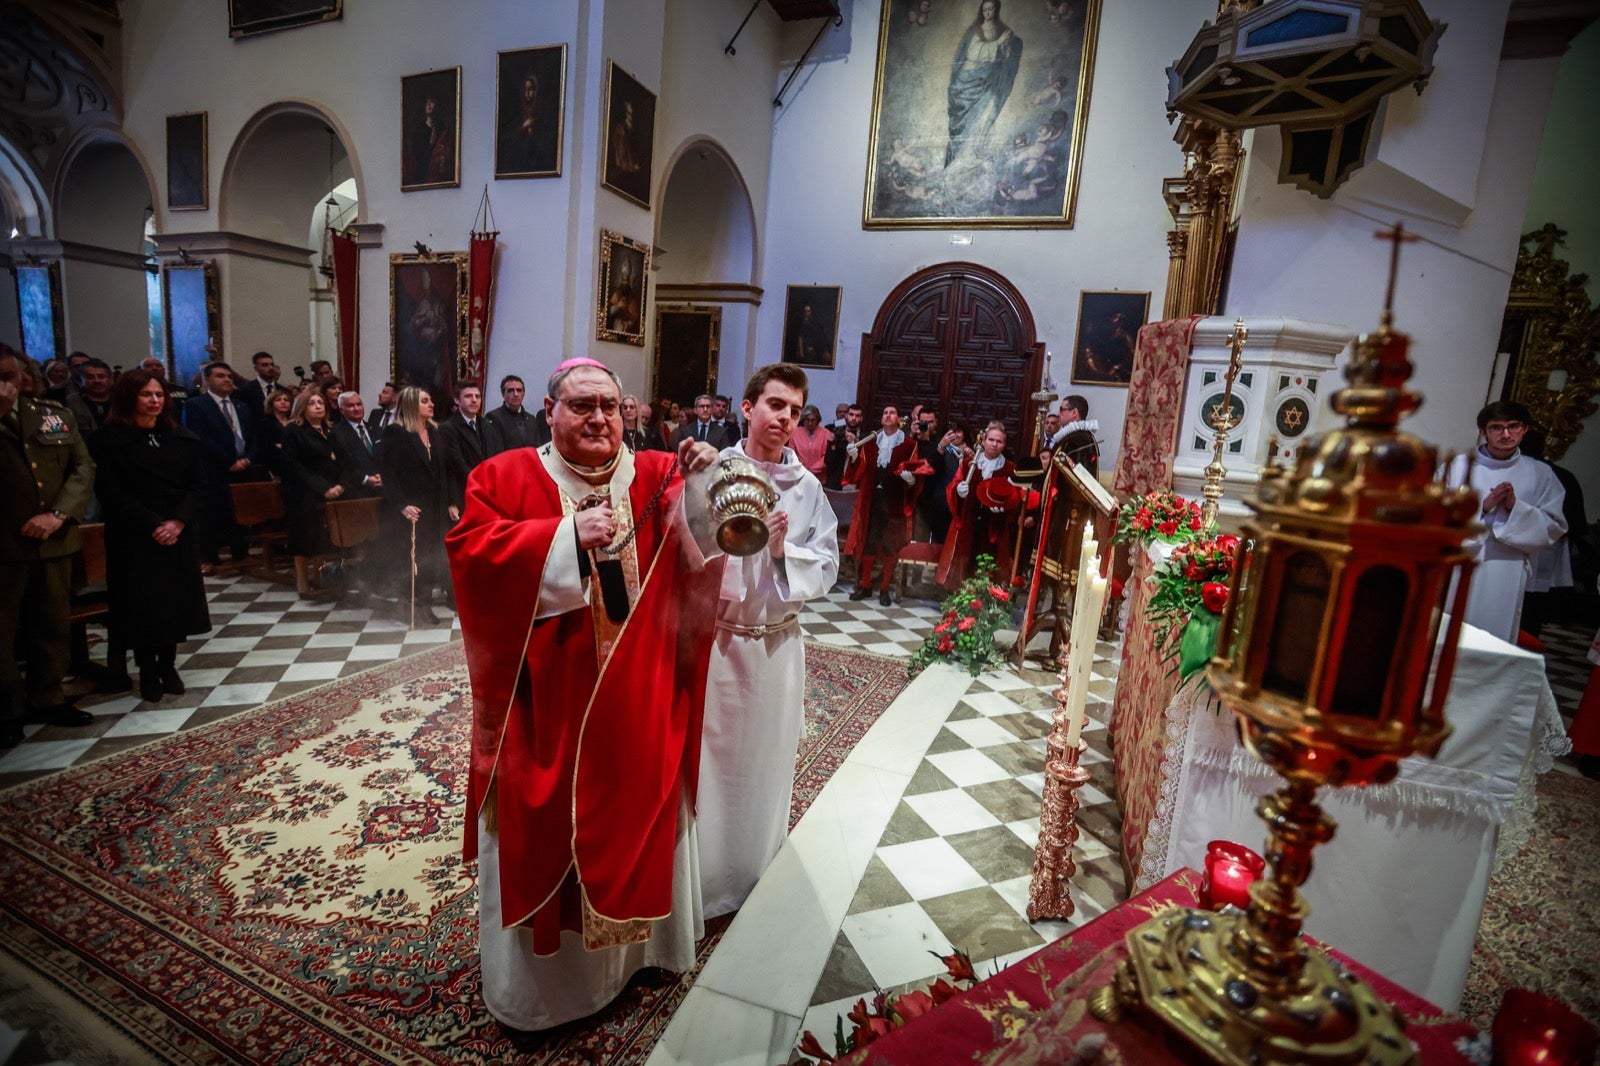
(276,411)
(150,476)
(309,467)
(412,463)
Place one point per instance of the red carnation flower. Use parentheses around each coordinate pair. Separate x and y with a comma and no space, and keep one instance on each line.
(947,645)
(941,627)
(1228,542)
(1168,528)
(1018,581)
(966,624)
(1214,594)
(1194,523)
(976,605)
(1192,572)
(1000,594)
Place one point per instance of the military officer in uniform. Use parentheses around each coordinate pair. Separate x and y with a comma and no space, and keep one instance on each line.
(46,479)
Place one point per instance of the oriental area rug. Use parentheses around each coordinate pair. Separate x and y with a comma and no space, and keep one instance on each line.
(286,886)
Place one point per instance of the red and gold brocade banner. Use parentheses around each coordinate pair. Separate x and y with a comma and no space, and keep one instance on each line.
(347,314)
(480,281)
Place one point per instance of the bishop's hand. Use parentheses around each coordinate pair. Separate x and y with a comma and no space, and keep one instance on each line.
(695,455)
(595,527)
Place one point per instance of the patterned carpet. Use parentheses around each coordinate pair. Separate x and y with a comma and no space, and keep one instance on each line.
(286,885)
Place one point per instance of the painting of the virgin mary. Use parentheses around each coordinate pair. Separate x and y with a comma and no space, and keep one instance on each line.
(981,78)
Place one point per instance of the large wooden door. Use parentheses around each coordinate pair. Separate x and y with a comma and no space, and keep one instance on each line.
(957,338)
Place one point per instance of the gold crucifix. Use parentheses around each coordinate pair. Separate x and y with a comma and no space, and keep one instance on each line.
(1222,420)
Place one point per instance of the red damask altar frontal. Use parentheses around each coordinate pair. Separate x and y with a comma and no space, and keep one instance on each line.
(1036,1011)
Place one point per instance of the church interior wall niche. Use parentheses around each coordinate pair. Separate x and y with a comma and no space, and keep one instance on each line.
(39,308)
(530,102)
(978,113)
(430,127)
(193,306)
(249,17)
(1108,326)
(630,138)
(428,305)
(620,301)
(811,324)
(188,182)
(687,349)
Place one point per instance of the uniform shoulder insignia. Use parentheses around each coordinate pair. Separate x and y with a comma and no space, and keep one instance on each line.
(45,401)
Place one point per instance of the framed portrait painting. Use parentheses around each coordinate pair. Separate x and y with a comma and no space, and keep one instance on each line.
(249,17)
(620,298)
(687,346)
(192,302)
(811,325)
(44,335)
(1108,328)
(430,130)
(428,303)
(630,136)
(188,179)
(978,113)
(530,101)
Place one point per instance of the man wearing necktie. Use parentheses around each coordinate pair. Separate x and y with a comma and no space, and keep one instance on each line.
(703,428)
(356,448)
(227,429)
(468,439)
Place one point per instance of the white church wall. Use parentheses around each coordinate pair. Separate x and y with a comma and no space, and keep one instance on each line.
(814,233)
(1563,193)
(267,304)
(102,203)
(106,312)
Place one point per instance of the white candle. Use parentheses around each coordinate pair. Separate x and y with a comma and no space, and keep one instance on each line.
(1080,663)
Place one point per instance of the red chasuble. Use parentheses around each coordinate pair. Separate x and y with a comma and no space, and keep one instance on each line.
(580,761)
(901,498)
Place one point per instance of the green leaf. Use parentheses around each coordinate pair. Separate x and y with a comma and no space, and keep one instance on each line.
(1198,644)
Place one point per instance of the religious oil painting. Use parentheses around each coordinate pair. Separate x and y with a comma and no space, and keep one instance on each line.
(39,308)
(811,325)
(530,95)
(248,17)
(1108,328)
(630,136)
(193,305)
(620,298)
(978,113)
(430,130)
(428,299)
(188,181)
(688,343)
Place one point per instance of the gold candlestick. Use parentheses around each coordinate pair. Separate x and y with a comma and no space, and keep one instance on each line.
(1222,421)
(1058,818)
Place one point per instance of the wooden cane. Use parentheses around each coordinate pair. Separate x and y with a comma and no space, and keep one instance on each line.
(413,624)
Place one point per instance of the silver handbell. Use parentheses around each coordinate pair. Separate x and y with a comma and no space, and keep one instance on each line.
(740,496)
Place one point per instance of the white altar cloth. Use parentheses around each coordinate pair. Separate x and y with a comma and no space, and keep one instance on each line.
(1401,886)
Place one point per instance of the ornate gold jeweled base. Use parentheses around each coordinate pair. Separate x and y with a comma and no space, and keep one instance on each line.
(1184,968)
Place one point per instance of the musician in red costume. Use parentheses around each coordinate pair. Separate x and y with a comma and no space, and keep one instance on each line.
(577,582)
(985,506)
(887,472)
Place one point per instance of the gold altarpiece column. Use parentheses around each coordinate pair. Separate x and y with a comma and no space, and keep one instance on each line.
(1201,202)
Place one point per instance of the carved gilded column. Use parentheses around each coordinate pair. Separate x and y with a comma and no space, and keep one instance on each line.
(1177,245)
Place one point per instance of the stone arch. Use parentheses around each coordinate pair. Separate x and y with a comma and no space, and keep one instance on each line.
(228,198)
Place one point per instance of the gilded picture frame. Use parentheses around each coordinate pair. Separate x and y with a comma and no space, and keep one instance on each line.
(430,130)
(978,114)
(191,304)
(429,301)
(530,94)
(1107,334)
(246,18)
(811,325)
(188,162)
(622,295)
(688,345)
(629,136)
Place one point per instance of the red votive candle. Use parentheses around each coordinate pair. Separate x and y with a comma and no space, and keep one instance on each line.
(1230,871)
(1536,1030)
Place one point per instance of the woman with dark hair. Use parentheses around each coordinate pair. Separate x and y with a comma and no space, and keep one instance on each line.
(310,472)
(414,494)
(277,408)
(149,476)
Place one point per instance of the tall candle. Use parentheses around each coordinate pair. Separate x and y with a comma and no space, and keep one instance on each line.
(1080,658)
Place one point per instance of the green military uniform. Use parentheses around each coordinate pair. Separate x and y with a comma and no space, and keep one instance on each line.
(44,467)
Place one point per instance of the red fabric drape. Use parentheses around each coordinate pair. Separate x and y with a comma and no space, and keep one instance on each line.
(480,266)
(1155,406)
(347,315)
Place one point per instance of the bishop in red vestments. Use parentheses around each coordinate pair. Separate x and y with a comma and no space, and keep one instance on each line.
(573,566)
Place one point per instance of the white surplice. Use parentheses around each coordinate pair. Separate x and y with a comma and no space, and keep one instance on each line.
(755,691)
(1506,549)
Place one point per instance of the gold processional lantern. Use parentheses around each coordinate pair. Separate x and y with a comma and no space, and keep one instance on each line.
(1337,671)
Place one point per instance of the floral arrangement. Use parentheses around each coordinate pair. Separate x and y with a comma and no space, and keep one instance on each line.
(887,1012)
(1162,515)
(1191,589)
(972,616)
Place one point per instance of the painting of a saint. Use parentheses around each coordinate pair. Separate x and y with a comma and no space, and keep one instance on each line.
(630,137)
(978,113)
(811,324)
(530,99)
(426,317)
(430,108)
(1108,331)
(624,268)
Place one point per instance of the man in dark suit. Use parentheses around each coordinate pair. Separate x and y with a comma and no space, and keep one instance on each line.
(467,439)
(517,426)
(253,393)
(357,449)
(46,479)
(227,429)
(387,411)
(704,427)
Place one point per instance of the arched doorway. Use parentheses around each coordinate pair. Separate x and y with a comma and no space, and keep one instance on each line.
(957,338)
(705,302)
(288,175)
